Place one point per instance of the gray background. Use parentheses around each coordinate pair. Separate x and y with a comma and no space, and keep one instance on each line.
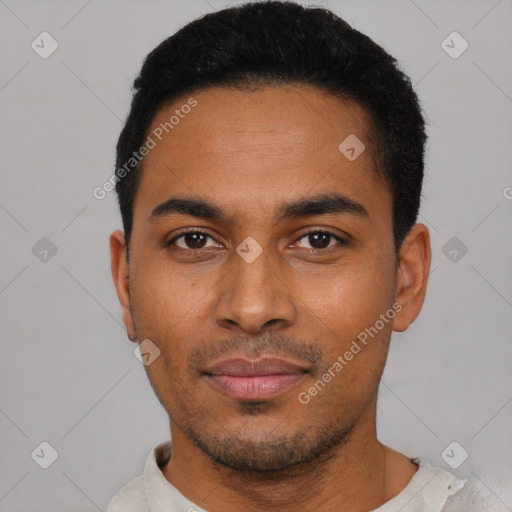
(68,375)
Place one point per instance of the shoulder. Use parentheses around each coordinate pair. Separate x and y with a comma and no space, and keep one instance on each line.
(474,497)
(130,498)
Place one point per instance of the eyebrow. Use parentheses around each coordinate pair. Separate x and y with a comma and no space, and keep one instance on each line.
(305,207)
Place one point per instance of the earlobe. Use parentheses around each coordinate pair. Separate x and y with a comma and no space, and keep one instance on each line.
(119,270)
(412,276)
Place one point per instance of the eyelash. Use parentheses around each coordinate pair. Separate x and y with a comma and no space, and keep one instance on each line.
(326,250)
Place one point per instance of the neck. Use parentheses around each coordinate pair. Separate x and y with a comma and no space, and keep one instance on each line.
(359,475)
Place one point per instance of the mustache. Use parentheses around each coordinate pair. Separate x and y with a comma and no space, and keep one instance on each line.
(268,344)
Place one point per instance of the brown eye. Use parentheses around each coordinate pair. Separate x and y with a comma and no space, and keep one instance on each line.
(319,240)
(191,240)
(195,240)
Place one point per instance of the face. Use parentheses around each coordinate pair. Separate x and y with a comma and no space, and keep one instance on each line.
(260,255)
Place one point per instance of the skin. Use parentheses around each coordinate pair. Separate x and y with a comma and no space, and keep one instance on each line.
(248,152)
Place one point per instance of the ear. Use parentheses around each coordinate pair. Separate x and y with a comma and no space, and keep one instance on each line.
(120,269)
(412,276)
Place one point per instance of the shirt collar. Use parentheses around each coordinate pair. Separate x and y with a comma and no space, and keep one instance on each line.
(427,491)
(161,495)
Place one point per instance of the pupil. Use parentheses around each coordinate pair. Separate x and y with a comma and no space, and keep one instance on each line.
(319,240)
(195,240)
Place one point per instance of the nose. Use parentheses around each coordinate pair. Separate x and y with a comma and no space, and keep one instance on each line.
(255,296)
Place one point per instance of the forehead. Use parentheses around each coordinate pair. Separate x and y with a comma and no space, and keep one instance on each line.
(251,149)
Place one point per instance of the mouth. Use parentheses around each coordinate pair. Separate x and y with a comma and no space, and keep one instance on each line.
(244,379)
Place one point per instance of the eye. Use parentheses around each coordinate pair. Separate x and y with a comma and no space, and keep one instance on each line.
(191,240)
(320,240)
(196,240)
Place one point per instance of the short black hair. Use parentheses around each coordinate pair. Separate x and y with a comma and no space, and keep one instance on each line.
(272,43)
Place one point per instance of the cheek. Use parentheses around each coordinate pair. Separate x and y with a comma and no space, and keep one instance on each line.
(166,299)
(350,298)
(166,311)
(355,339)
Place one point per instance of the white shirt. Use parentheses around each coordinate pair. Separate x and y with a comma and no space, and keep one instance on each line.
(431,489)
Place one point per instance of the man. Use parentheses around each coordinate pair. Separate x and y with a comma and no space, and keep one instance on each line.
(269,178)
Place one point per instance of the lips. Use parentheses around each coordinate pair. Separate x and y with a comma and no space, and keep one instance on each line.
(254,380)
